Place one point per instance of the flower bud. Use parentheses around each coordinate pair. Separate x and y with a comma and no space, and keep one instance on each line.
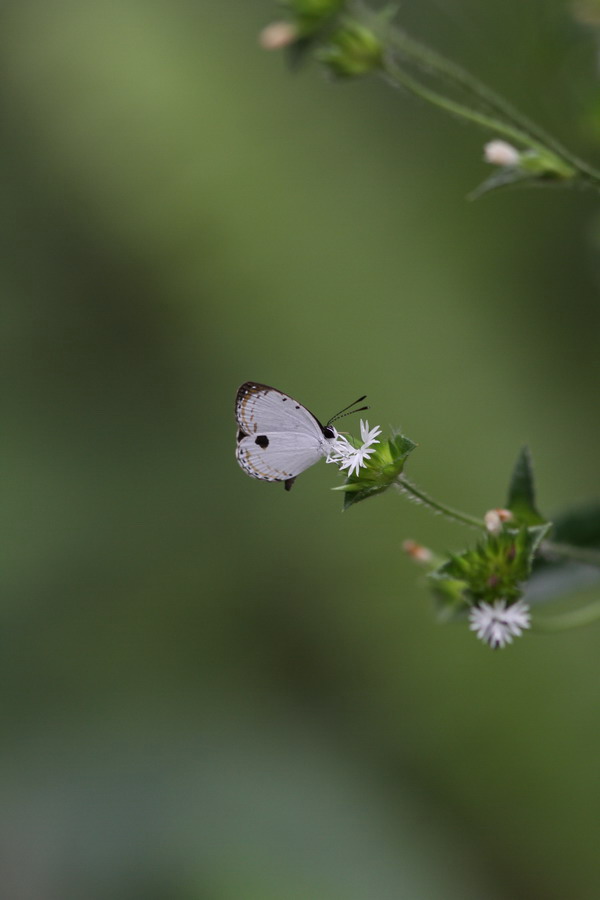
(501,153)
(418,552)
(278,35)
(311,16)
(495,518)
(352,50)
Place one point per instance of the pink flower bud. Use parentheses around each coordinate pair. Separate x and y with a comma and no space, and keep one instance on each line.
(494,519)
(501,153)
(417,552)
(277,35)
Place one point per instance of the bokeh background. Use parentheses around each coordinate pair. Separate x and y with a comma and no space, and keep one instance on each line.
(212,688)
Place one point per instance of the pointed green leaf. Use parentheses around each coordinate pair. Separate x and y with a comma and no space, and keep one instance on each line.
(521,492)
(504,177)
(450,596)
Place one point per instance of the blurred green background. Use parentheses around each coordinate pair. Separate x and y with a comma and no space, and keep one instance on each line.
(212,688)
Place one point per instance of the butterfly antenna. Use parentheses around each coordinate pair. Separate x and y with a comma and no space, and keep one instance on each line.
(342,413)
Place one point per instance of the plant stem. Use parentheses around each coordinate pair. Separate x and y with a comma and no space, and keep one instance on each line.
(482,106)
(447,511)
(585,615)
(432,62)
(568,551)
(396,75)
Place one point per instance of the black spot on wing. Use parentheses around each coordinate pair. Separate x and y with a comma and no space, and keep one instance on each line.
(263,441)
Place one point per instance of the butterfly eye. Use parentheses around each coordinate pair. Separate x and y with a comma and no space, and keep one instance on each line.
(328,431)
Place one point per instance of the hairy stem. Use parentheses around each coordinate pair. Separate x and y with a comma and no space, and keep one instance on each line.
(447,511)
(397,76)
(480,104)
(432,62)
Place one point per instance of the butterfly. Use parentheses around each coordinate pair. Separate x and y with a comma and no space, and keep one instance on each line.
(277,437)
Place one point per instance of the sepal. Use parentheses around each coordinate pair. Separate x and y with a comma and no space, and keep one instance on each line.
(495,569)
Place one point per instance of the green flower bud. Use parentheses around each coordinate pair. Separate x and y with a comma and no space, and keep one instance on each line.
(545,165)
(494,569)
(352,50)
(379,472)
(311,15)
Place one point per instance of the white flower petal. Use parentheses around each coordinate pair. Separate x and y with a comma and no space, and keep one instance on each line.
(346,456)
(497,624)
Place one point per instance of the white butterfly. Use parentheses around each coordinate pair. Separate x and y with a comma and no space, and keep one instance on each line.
(277,437)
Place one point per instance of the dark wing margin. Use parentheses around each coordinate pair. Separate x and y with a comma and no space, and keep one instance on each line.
(249,388)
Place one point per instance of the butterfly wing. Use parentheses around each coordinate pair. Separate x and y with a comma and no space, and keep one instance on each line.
(277,456)
(277,437)
(260,406)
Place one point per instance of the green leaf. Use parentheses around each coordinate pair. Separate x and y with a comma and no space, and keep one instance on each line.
(521,491)
(450,595)
(504,177)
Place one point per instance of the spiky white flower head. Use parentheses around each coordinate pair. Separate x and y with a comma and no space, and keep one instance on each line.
(495,518)
(501,153)
(497,623)
(277,35)
(346,456)
(417,552)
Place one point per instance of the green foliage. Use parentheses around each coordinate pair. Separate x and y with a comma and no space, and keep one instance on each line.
(579,526)
(495,569)
(503,177)
(380,472)
(571,561)
(510,556)
(313,18)
(532,166)
(368,40)
(521,492)
(311,14)
(313,21)
(352,50)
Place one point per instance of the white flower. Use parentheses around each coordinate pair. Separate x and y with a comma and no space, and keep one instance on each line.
(352,458)
(501,153)
(497,624)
